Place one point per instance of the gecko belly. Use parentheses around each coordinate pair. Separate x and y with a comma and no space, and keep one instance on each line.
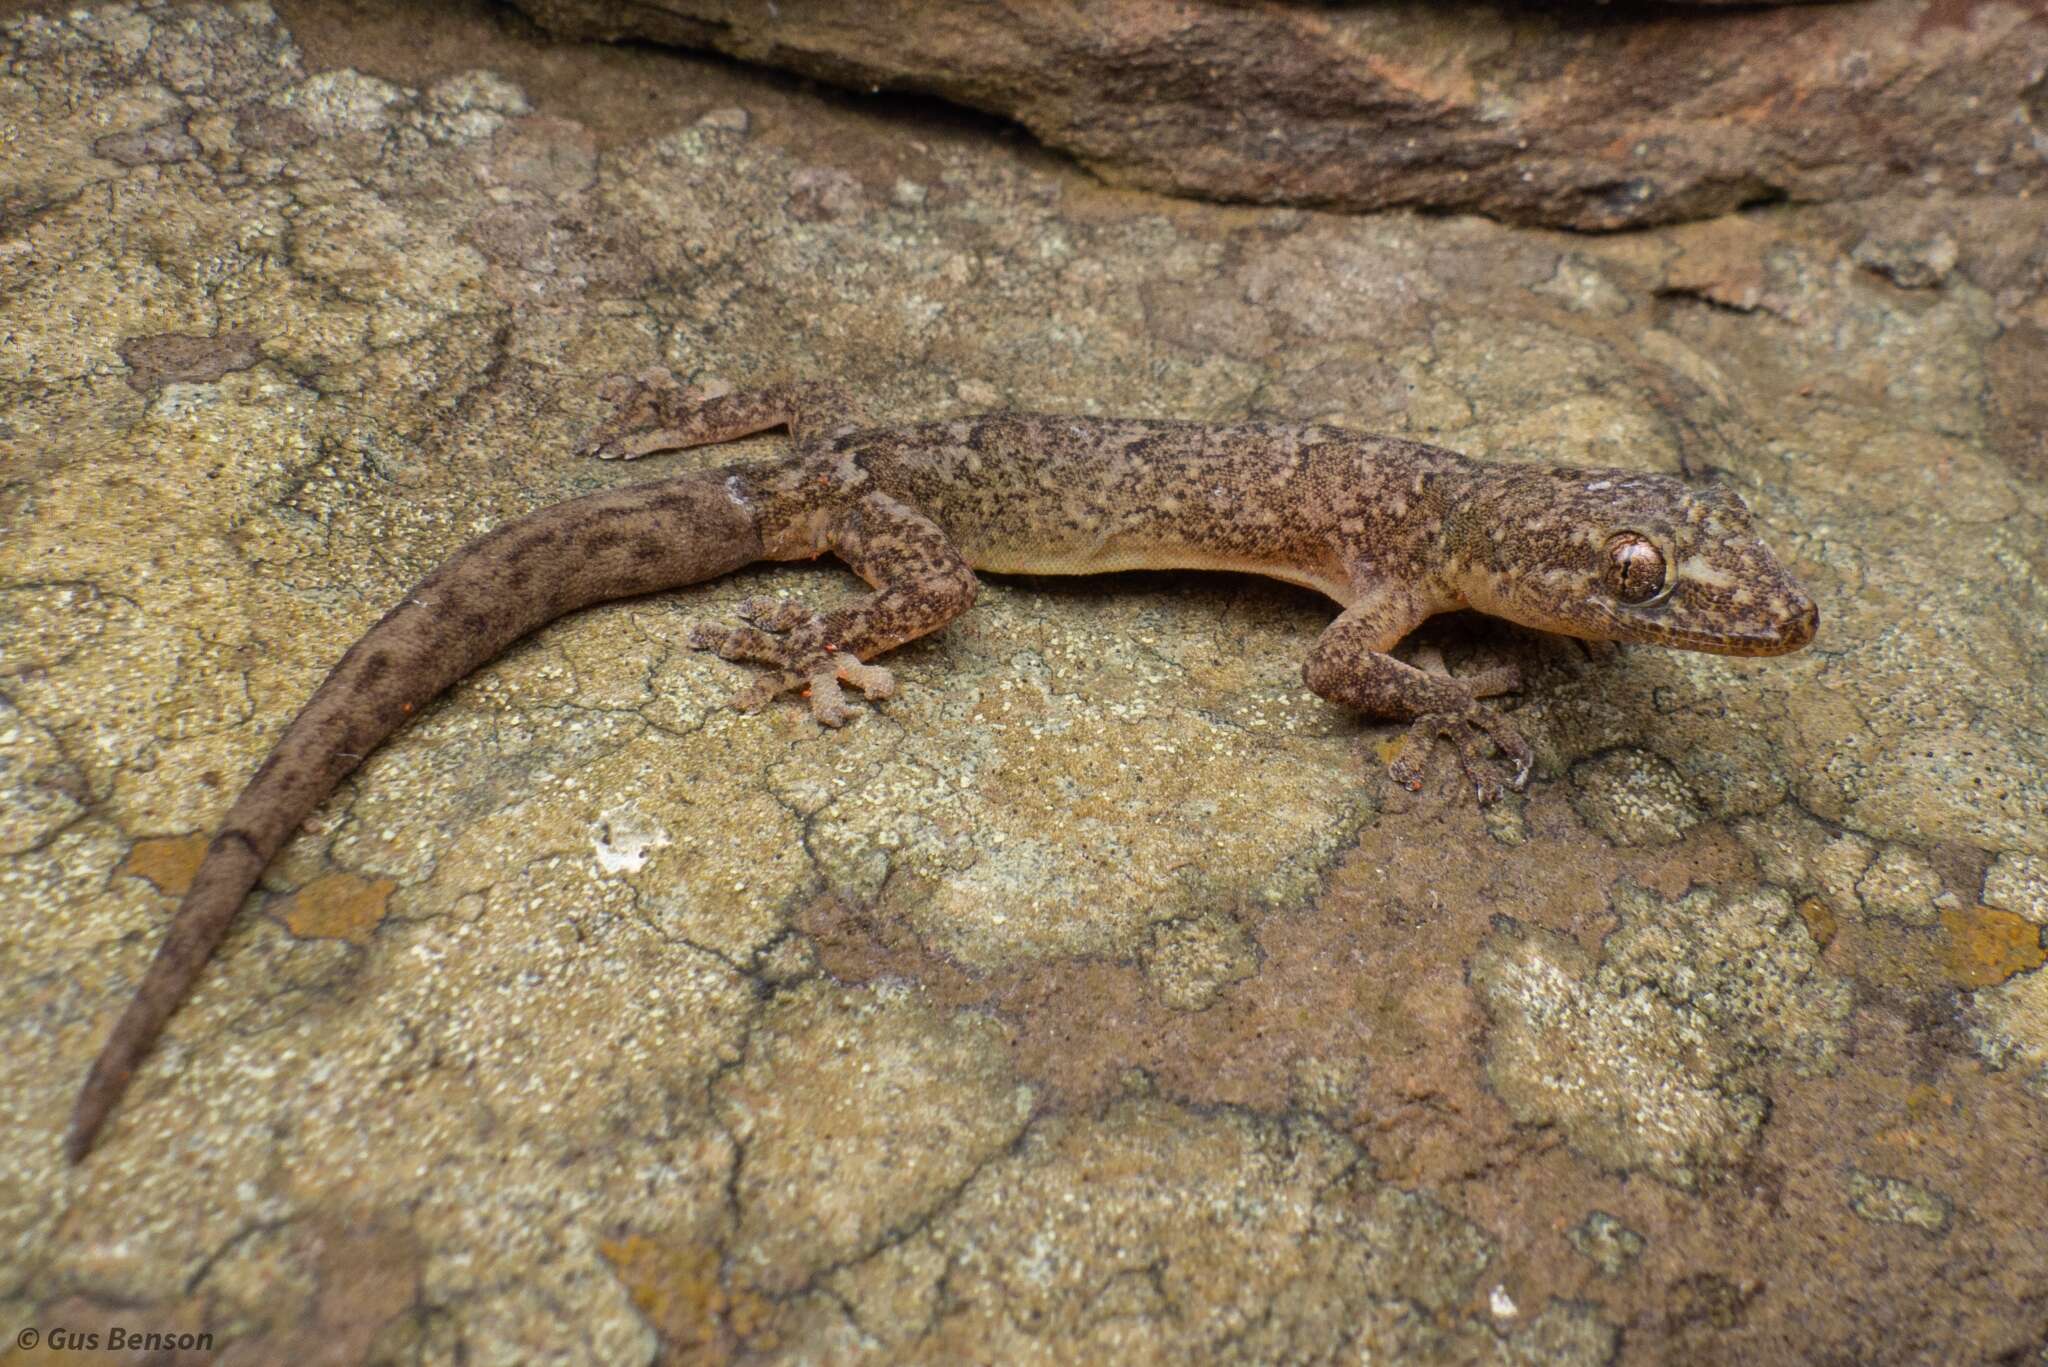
(1110,559)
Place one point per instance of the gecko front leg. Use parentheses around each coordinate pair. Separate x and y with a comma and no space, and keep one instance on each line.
(920,580)
(1350,665)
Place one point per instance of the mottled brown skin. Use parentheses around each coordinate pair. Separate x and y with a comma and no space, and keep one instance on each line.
(1393,530)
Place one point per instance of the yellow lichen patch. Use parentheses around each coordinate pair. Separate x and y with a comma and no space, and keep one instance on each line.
(170,862)
(678,1292)
(1821,921)
(1987,946)
(339,906)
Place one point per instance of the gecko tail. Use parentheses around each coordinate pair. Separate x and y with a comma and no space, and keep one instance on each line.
(617,544)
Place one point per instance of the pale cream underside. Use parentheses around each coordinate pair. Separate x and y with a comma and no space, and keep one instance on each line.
(1011,560)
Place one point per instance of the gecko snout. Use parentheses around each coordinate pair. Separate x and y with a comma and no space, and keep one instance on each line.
(1801,620)
(1786,630)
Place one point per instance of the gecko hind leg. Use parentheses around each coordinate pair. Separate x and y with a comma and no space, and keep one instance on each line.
(654,411)
(920,583)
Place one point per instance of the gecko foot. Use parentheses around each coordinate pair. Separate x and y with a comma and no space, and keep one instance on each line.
(794,642)
(1469,732)
(651,411)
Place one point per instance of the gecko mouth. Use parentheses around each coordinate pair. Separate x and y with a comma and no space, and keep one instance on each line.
(1788,633)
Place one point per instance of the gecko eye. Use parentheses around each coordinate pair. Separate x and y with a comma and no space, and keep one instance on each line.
(1635,568)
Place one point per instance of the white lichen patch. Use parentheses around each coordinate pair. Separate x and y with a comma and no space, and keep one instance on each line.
(1634,798)
(338,103)
(2018,883)
(1609,1244)
(1582,287)
(1746,963)
(1801,855)
(39,789)
(625,837)
(2008,1025)
(1900,883)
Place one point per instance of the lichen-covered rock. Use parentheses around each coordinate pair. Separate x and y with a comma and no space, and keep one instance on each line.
(2018,883)
(1153,1234)
(1633,1081)
(1098,989)
(1801,855)
(1746,963)
(857,1116)
(1901,883)
(2009,1026)
(1657,1056)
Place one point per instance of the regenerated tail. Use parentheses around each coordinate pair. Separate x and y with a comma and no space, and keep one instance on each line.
(617,544)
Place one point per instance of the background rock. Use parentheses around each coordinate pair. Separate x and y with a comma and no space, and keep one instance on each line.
(1097,995)
(1577,116)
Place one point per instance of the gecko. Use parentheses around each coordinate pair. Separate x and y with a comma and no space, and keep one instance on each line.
(1394,531)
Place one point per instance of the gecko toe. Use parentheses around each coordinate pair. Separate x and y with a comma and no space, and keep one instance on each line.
(602,444)
(766,689)
(1524,762)
(872,680)
(828,702)
(737,643)
(1508,741)
(1472,733)
(1410,764)
(775,614)
(828,699)
(630,445)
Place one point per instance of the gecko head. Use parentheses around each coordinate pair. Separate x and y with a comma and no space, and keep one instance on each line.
(1617,555)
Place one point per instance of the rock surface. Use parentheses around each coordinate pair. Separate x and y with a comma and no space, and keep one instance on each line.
(1096,998)
(1584,117)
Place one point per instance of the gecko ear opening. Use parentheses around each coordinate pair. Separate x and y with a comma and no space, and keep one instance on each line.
(1636,572)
